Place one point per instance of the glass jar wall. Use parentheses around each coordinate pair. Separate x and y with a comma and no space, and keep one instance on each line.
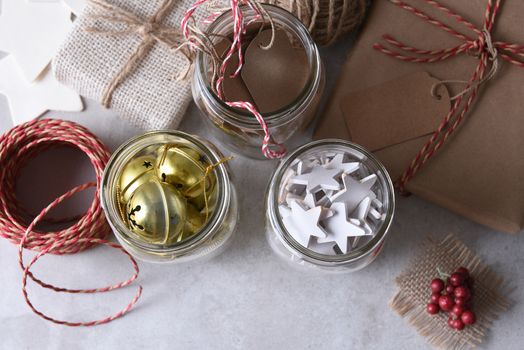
(238,129)
(286,186)
(159,205)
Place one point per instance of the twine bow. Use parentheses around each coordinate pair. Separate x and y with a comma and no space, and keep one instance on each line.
(151,31)
(482,45)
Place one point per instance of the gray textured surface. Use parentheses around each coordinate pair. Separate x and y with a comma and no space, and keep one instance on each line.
(246,298)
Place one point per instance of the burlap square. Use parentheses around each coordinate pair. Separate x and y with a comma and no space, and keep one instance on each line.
(489,298)
(150,97)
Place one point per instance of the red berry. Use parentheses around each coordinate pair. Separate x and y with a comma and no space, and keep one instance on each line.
(462,292)
(460,301)
(437,285)
(464,271)
(446,302)
(458,324)
(432,308)
(456,279)
(456,311)
(434,297)
(468,317)
(451,322)
(450,289)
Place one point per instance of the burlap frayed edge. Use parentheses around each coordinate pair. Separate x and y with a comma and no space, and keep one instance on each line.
(434,327)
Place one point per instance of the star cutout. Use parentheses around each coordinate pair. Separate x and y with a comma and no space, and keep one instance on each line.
(76,6)
(339,228)
(302,223)
(318,178)
(30,100)
(147,164)
(338,163)
(354,191)
(32,33)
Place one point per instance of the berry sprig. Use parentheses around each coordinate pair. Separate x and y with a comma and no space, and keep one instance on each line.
(453,297)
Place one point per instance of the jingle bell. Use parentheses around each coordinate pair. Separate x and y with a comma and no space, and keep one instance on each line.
(156,212)
(135,173)
(184,168)
(194,221)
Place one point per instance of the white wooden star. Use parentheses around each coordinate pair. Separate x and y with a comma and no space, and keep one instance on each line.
(362,210)
(339,228)
(354,191)
(338,163)
(30,100)
(302,223)
(76,6)
(32,33)
(318,178)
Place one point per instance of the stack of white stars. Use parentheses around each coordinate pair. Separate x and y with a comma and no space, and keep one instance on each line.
(328,205)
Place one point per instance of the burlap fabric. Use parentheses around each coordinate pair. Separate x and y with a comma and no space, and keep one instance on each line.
(150,97)
(489,298)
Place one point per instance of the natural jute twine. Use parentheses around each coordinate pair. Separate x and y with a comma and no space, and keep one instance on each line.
(17,147)
(151,30)
(475,41)
(326,20)
(489,290)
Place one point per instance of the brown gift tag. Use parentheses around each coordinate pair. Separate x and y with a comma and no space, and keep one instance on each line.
(234,89)
(395,111)
(275,77)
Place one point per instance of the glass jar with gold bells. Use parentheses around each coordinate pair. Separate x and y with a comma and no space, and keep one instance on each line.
(168,196)
(281,75)
(329,207)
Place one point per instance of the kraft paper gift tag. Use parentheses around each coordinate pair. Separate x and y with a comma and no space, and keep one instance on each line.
(275,77)
(406,100)
(477,173)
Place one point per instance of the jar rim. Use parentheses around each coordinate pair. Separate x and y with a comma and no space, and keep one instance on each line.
(107,193)
(286,113)
(285,237)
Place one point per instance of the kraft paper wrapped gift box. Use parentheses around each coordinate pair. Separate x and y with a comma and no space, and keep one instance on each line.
(150,95)
(478,173)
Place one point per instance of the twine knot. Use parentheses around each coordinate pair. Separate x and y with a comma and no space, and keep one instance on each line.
(484,43)
(146,29)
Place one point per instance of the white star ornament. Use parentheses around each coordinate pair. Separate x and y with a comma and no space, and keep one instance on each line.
(30,100)
(32,33)
(303,223)
(339,228)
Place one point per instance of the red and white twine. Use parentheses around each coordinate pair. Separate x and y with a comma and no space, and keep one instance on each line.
(270,149)
(481,44)
(17,147)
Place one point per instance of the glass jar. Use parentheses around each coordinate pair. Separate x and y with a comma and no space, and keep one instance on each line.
(367,248)
(210,239)
(239,130)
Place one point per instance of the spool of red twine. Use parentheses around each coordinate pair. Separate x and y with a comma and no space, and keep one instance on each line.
(17,147)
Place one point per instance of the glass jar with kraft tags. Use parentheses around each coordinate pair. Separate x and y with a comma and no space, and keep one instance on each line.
(329,207)
(168,197)
(284,82)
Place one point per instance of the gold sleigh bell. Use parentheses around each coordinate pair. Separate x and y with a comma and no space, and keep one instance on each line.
(184,168)
(135,173)
(157,213)
(168,198)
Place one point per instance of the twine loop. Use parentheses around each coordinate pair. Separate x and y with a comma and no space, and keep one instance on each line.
(17,147)
(483,46)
